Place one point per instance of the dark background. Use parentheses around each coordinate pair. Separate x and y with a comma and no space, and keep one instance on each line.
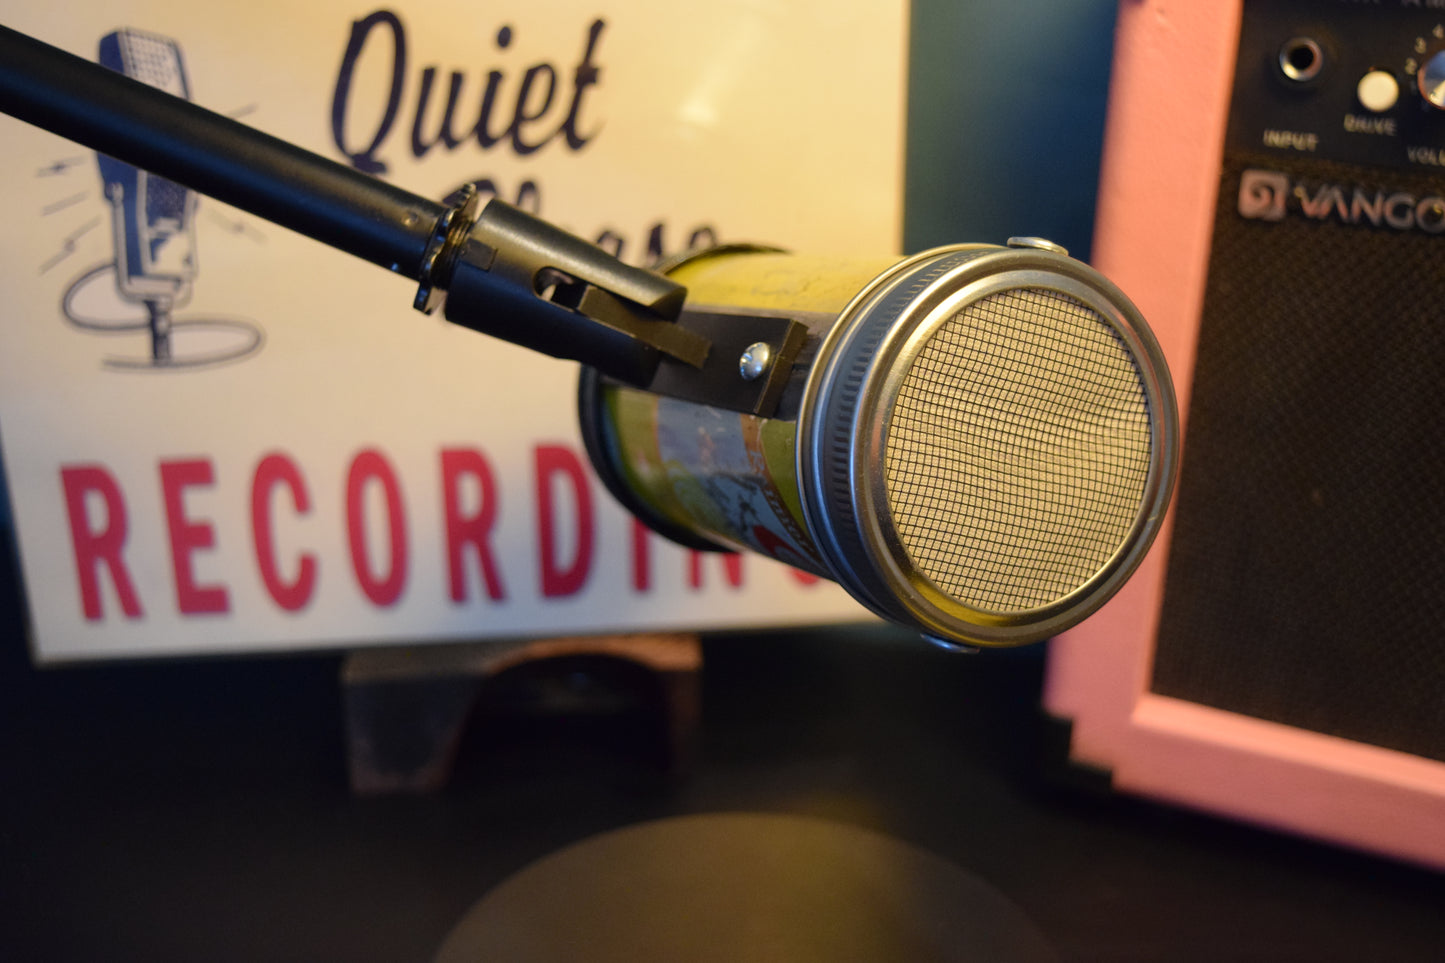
(188,810)
(200,811)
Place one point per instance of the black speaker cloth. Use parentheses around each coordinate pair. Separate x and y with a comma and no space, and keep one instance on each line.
(1306,578)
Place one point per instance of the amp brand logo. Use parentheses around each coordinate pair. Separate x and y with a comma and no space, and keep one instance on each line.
(1262,195)
(1272,196)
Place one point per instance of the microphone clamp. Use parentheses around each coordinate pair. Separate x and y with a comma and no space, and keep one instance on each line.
(498,270)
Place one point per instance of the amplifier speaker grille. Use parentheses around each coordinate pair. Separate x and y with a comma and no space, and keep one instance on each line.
(1306,579)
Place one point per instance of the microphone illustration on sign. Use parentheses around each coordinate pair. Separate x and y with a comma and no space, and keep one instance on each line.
(153,218)
(978,442)
(153,232)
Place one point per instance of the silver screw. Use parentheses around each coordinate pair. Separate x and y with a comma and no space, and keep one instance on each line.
(755,360)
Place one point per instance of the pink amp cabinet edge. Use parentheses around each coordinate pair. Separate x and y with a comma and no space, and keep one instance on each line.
(1169,98)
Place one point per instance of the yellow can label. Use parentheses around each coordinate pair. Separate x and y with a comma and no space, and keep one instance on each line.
(728,476)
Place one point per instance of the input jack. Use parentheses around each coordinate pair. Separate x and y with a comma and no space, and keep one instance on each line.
(1301,59)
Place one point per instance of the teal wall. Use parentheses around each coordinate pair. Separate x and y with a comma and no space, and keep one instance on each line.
(1005,119)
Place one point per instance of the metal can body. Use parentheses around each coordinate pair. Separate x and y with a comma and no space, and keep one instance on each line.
(715,479)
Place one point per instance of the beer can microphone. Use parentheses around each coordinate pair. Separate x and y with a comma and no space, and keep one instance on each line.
(977,442)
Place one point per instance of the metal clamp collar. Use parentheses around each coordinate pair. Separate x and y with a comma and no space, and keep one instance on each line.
(446,240)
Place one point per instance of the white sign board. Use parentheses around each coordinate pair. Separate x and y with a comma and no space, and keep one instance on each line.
(315,464)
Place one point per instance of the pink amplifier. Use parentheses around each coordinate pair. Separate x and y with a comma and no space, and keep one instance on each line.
(1273,198)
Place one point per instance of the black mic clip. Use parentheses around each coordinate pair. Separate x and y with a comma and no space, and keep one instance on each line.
(500,271)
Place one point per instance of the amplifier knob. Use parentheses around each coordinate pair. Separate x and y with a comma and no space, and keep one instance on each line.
(1431,80)
(1378,91)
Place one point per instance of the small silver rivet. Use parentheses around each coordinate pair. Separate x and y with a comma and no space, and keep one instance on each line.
(755,360)
(1038,244)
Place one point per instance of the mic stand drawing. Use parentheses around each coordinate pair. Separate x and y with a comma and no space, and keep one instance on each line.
(159,312)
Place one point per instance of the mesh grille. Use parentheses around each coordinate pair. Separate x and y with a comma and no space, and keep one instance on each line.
(165,200)
(152,60)
(1019,451)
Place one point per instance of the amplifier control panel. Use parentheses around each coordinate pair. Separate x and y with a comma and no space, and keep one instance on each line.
(1343,80)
